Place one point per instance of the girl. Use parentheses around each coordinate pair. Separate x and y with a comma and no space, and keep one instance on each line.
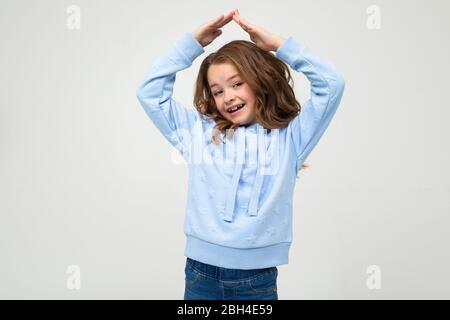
(238,216)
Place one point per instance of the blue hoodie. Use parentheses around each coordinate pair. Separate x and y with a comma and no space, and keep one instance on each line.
(240,192)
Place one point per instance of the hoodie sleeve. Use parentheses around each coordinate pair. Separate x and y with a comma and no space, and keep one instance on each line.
(327,88)
(172,119)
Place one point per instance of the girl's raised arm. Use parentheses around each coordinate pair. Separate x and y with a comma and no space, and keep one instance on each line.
(327,86)
(172,119)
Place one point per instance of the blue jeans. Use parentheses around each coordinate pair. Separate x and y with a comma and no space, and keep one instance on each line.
(207,282)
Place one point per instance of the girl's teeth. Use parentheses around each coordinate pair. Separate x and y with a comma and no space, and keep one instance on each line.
(237,107)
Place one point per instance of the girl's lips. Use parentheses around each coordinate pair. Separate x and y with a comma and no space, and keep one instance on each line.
(237,111)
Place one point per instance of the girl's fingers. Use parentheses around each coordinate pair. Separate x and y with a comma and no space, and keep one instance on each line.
(240,19)
(220,21)
(214,21)
(225,20)
(236,18)
(242,23)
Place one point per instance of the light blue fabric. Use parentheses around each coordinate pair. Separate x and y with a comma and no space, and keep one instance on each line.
(240,193)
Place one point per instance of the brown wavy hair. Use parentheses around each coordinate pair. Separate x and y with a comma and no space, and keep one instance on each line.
(267,76)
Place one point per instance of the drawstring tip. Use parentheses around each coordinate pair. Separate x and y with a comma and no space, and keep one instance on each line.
(252,213)
(228,217)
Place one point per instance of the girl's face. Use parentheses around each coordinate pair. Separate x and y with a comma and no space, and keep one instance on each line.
(230,91)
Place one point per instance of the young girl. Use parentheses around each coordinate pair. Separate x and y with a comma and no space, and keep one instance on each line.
(245,142)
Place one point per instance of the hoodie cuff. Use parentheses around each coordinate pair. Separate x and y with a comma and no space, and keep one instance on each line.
(189,46)
(289,50)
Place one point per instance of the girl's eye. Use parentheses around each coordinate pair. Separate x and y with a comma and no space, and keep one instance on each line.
(236,84)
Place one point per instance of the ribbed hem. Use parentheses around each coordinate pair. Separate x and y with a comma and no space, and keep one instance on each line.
(232,258)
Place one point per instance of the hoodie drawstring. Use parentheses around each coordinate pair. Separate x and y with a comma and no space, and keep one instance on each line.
(256,190)
(254,196)
(231,197)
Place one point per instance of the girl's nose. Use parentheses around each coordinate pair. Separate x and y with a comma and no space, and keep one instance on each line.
(229,97)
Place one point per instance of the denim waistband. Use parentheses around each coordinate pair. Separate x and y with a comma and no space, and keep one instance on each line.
(220,273)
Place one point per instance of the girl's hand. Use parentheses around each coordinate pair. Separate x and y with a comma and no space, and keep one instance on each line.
(263,39)
(206,33)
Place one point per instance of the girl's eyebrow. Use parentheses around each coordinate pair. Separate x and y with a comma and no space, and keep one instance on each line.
(214,84)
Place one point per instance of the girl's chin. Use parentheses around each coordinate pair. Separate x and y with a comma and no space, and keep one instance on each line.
(234,120)
(239,119)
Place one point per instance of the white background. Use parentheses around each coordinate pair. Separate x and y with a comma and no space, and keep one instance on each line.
(86,179)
